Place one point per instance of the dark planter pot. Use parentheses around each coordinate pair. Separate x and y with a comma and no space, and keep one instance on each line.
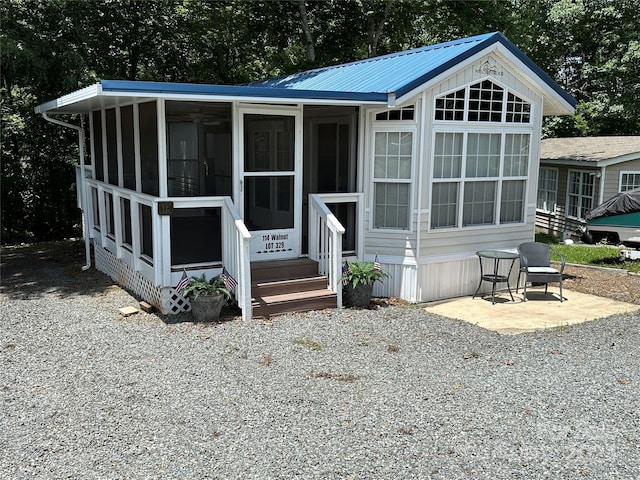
(206,308)
(360,296)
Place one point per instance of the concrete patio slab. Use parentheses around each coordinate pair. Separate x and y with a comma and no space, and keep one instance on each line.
(539,312)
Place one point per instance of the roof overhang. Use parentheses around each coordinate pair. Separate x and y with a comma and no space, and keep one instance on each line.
(111,93)
(591,162)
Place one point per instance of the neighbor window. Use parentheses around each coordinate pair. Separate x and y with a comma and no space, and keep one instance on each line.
(479,178)
(392,173)
(629,181)
(547,189)
(580,189)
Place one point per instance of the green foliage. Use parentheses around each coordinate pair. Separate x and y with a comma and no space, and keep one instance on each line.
(201,286)
(50,48)
(364,272)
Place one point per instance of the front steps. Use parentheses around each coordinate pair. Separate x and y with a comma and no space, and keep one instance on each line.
(284,286)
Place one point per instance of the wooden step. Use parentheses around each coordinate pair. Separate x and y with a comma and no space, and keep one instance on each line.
(283,269)
(293,302)
(268,288)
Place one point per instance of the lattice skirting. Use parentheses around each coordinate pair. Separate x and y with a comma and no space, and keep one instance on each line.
(167,300)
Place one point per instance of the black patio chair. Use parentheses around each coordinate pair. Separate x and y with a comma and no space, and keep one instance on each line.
(535,264)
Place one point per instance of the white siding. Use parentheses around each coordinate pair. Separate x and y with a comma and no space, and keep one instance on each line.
(430,265)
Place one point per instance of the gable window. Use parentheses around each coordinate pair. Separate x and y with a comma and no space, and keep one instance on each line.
(484,101)
(580,188)
(629,181)
(403,113)
(547,189)
(479,178)
(392,176)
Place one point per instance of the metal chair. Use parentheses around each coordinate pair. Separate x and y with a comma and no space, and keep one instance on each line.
(535,264)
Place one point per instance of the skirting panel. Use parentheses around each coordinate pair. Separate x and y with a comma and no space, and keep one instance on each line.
(166,300)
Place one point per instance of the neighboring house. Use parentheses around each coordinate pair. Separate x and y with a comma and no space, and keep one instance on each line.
(424,156)
(578,174)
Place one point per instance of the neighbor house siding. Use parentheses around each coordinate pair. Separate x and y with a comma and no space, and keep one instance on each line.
(612,177)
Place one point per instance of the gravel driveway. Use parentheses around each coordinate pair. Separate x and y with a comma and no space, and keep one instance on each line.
(392,393)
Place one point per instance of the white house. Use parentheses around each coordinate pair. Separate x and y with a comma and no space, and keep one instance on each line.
(420,158)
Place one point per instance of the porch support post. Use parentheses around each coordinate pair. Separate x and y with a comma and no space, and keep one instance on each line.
(82,185)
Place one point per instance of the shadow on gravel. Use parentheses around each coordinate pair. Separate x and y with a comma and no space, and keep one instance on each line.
(30,271)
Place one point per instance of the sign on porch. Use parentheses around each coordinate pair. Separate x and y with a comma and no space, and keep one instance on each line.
(275,243)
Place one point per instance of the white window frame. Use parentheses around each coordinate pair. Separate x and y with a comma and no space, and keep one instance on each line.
(628,172)
(462,179)
(503,118)
(545,207)
(583,173)
(405,126)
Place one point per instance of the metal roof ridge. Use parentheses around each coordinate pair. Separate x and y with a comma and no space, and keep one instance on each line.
(426,48)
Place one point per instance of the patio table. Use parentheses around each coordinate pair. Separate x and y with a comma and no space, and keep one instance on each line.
(493,276)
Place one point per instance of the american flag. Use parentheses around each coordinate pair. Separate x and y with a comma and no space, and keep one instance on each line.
(346,270)
(228,279)
(376,264)
(184,280)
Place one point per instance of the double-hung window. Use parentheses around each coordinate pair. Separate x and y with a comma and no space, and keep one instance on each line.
(629,181)
(547,189)
(392,177)
(480,173)
(580,189)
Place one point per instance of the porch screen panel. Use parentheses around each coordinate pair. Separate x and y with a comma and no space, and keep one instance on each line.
(127,236)
(128,148)
(146,231)
(196,235)
(269,202)
(98,160)
(108,208)
(112,146)
(149,148)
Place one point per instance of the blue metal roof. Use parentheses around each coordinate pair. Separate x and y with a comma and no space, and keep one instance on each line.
(401,72)
(375,79)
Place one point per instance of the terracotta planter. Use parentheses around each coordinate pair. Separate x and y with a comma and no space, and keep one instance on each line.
(360,296)
(206,308)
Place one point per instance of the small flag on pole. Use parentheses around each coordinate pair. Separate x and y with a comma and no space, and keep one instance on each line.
(184,280)
(346,270)
(376,264)
(228,279)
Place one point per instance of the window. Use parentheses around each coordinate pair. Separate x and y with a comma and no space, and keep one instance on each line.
(98,160)
(547,189)
(484,101)
(478,178)
(404,113)
(579,193)
(392,172)
(629,181)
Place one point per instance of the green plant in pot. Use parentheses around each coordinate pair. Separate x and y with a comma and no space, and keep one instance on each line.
(207,297)
(358,279)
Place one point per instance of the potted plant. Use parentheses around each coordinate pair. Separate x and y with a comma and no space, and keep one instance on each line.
(358,279)
(206,297)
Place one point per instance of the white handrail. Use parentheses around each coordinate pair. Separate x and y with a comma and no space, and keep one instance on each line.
(238,258)
(235,237)
(325,243)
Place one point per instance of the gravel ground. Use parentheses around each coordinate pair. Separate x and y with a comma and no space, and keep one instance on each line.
(390,393)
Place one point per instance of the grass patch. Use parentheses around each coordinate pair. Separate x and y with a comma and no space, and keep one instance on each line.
(594,256)
(305,342)
(393,348)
